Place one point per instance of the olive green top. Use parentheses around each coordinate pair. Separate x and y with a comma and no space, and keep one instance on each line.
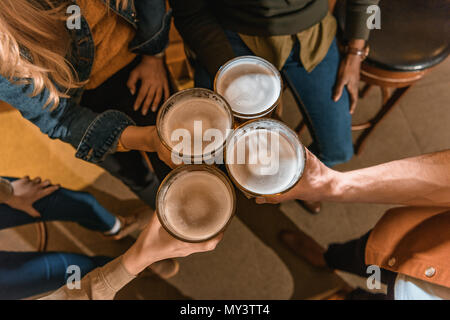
(201,23)
(314,42)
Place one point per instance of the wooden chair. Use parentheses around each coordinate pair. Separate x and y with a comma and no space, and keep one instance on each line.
(412,40)
(42,236)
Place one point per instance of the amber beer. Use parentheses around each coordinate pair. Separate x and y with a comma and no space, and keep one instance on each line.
(194,124)
(195,202)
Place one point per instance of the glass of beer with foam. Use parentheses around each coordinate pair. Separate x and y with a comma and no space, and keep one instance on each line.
(264,157)
(194,125)
(195,203)
(251,85)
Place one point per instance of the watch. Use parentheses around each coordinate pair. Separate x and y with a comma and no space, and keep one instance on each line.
(362,53)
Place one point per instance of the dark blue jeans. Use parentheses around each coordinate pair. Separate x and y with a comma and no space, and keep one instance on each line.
(329,122)
(24,274)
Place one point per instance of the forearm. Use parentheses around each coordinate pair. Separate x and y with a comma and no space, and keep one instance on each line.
(356,19)
(419,181)
(103,283)
(357,43)
(100,284)
(139,138)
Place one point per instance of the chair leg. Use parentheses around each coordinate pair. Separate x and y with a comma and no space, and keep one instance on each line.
(301,126)
(42,236)
(365,90)
(388,105)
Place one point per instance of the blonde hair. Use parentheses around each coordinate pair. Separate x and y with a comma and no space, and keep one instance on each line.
(34,43)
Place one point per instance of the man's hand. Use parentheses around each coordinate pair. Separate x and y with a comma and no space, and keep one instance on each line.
(155,244)
(348,75)
(154,85)
(316,182)
(27,192)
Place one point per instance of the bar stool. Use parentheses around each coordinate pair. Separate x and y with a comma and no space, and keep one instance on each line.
(414,38)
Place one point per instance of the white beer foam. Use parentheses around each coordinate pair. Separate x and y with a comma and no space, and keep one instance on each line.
(271,174)
(249,86)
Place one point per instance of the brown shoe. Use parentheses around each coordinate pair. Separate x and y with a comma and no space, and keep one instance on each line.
(304,246)
(136,221)
(310,206)
(165,269)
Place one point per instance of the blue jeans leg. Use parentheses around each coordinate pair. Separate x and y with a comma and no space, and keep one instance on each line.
(25,274)
(329,122)
(62,205)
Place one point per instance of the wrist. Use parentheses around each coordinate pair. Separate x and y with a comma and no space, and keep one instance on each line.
(156,58)
(135,261)
(334,188)
(357,44)
(139,138)
(356,49)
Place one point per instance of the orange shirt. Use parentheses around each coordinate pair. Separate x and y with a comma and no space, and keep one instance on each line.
(414,241)
(111,34)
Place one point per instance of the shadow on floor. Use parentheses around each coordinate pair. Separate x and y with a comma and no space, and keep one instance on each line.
(266,221)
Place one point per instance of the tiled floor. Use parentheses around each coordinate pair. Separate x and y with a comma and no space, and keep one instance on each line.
(250,263)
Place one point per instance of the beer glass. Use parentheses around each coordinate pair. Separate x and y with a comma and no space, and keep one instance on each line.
(195,203)
(251,85)
(264,157)
(194,125)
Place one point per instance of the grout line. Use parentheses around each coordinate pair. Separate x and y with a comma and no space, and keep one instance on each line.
(409,125)
(77,242)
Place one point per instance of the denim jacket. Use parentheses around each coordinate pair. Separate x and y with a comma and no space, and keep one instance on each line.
(93,135)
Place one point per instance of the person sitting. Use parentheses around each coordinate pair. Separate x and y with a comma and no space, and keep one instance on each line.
(153,245)
(410,244)
(25,201)
(298,38)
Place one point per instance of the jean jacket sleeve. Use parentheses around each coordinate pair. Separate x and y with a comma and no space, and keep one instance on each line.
(93,135)
(153,26)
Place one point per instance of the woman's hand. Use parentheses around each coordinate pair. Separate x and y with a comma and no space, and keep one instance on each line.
(146,139)
(155,244)
(348,75)
(27,192)
(154,85)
